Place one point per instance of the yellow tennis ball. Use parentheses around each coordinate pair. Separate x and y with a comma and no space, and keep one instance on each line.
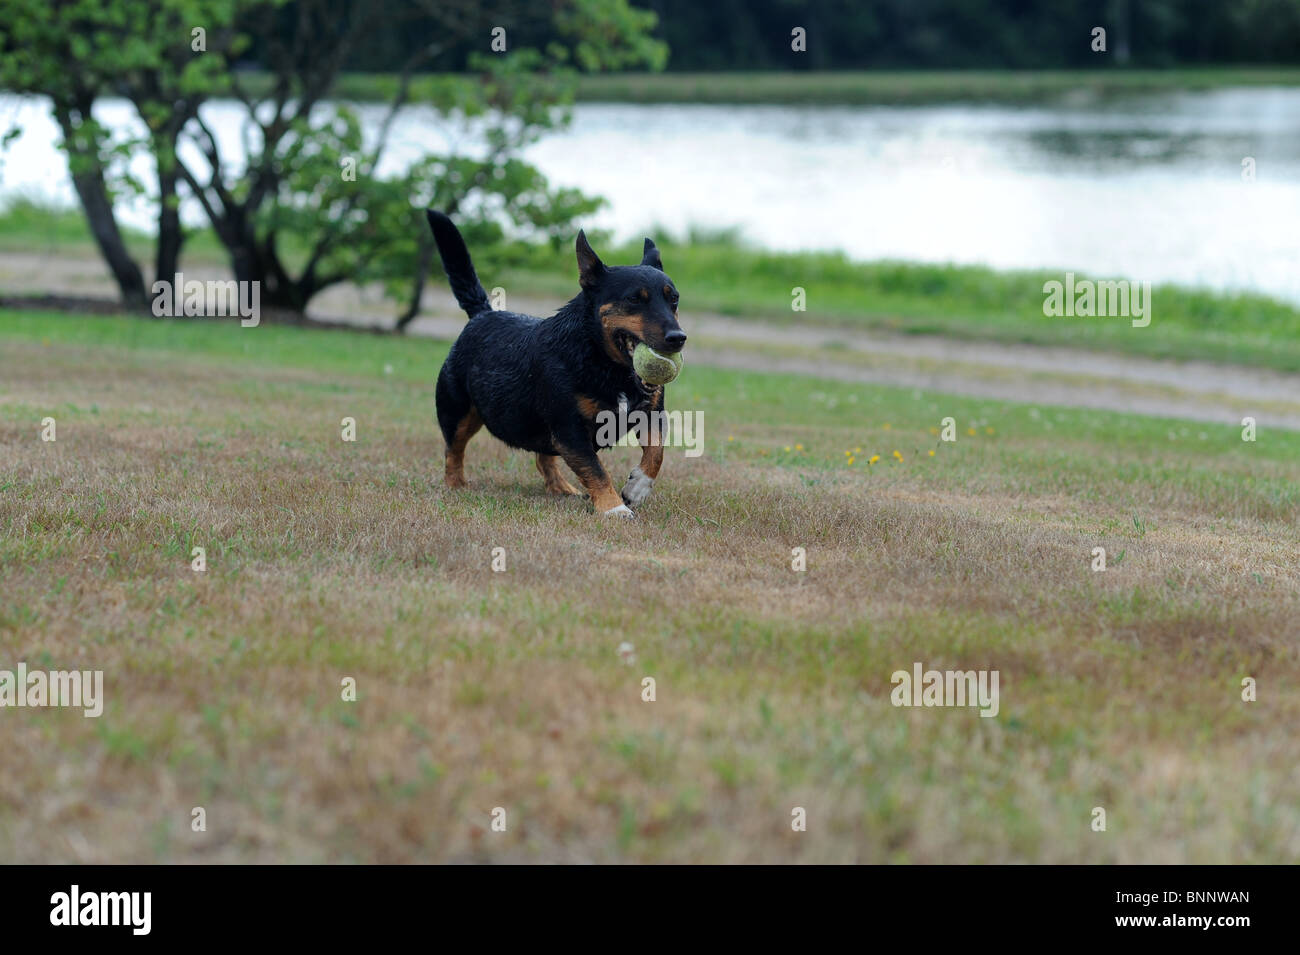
(654,368)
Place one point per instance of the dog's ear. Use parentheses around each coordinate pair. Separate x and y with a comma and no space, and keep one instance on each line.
(590,269)
(650,256)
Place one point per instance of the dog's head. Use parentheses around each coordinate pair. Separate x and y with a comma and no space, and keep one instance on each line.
(631,303)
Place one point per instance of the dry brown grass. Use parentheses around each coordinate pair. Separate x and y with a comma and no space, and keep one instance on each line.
(329,560)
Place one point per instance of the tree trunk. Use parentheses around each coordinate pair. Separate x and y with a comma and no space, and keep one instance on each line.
(421,276)
(252,261)
(88,179)
(170,237)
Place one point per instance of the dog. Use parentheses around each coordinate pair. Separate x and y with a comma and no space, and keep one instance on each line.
(539,384)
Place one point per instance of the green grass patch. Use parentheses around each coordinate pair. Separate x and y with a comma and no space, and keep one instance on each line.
(805,419)
(718,273)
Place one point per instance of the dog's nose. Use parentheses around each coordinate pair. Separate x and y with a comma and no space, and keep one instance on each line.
(675,339)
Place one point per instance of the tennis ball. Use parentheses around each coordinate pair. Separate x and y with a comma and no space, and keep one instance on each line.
(654,368)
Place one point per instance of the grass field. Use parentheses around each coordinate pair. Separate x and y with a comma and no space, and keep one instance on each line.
(723,276)
(328,560)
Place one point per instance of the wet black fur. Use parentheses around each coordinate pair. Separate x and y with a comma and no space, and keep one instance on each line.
(524,374)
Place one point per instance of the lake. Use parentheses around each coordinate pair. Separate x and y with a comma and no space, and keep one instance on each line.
(1148,188)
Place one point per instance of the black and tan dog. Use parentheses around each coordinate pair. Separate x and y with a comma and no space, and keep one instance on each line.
(540,384)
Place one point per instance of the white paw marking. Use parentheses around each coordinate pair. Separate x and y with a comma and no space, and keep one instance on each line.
(621,511)
(638,486)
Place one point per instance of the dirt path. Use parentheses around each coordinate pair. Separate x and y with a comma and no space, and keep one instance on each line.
(1202,391)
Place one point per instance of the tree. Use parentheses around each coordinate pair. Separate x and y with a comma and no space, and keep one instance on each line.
(307,206)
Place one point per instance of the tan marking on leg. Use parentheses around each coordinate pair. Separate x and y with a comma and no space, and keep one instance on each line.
(652,440)
(587,407)
(599,487)
(652,458)
(455,463)
(548,465)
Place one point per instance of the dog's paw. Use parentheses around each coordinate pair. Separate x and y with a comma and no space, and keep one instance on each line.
(638,486)
(621,510)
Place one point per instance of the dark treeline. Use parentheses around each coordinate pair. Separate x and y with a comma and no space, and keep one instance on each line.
(963,34)
(910,34)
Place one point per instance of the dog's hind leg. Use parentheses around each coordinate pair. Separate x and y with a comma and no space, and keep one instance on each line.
(459,421)
(465,429)
(548,465)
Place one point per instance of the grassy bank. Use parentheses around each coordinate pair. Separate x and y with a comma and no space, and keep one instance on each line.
(913,88)
(959,301)
(329,560)
(862,88)
(717,274)
(34,226)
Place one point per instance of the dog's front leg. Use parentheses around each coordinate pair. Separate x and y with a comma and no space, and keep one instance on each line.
(580,455)
(650,437)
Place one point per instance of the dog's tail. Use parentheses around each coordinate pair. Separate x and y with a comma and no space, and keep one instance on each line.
(456,263)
